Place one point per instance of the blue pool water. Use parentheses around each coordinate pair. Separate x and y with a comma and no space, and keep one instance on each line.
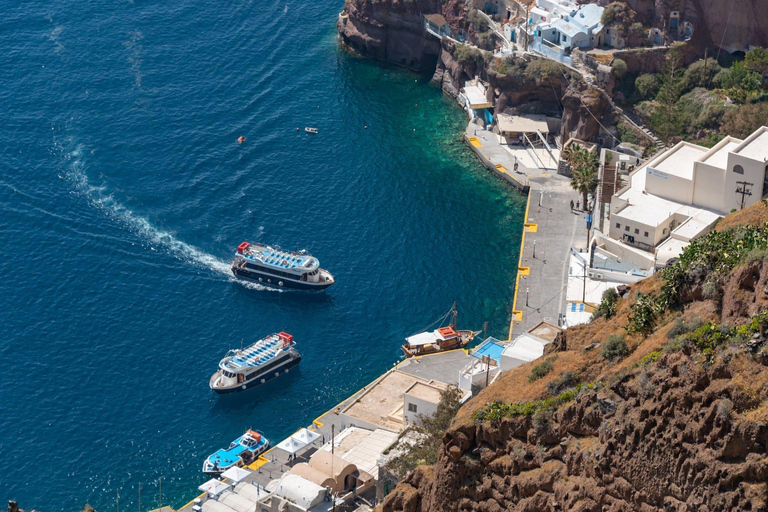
(124,195)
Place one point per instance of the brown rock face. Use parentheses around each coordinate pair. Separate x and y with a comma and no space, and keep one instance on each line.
(581,111)
(390,30)
(661,440)
(738,24)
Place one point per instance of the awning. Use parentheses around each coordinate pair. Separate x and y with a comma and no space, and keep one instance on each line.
(519,124)
(235,474)
(299,440)
(214,487)
(423,338)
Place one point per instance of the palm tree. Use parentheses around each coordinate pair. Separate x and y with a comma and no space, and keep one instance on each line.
(584,164)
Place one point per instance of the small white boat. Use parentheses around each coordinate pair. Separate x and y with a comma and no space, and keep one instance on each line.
(310,130)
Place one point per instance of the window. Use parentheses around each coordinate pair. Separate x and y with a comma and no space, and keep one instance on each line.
(646,234)
(412,408)
(664,231)
(618,226)
(637,231)
(738,169)
(626,228)
(565,39)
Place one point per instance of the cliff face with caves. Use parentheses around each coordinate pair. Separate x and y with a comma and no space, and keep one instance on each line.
(669,427)
(738,24)
(393,30)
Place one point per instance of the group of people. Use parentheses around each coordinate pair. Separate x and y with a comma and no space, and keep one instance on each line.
(577,204)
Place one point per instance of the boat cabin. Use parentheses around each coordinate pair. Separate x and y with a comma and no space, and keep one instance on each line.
(444,338)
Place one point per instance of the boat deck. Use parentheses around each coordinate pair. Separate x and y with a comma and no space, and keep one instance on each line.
(260,352)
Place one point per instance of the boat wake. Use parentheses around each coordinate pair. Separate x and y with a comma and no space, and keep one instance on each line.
(105,201)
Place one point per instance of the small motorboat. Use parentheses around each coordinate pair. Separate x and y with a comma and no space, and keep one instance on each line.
(243,451)
(310,130)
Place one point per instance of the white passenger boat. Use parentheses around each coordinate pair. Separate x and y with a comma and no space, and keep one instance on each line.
(255,365)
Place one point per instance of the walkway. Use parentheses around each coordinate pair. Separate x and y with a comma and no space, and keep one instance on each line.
(550,230)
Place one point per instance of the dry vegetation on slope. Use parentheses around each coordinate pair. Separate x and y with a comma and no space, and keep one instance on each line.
(678,424)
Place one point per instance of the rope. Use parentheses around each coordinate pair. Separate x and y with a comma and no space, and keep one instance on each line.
(438,321)
(722,39)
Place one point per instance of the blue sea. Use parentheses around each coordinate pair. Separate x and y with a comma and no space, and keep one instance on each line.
(124,194)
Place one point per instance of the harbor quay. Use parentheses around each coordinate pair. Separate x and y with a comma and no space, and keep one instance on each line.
(335,461)
(550,229)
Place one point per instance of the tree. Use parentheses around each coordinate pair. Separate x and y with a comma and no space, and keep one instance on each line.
(429,432)
(700,74)
(584,164)
(756,61)
(665,118)
(619,68)
(648,86)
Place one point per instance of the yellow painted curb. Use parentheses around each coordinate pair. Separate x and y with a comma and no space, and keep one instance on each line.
(475,142)
(517,315)
(259,462)
(501,168)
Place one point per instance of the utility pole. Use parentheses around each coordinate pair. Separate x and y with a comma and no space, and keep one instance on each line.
(744,191)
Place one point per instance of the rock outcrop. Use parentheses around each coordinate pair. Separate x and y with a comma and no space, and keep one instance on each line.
(734,25)
(674,426)
(390,30)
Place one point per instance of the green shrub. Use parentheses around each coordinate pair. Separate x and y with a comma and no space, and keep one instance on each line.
(650,358)
(496,411)
(679,327)
(619,68)
(700,74)
(626,134)
(614,347)
(562,383)
(467,55)
(540,370)
(608,303)
(643,315)
(647,86)
(609,15)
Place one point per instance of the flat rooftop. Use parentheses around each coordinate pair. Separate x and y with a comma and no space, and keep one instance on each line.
(719,158)
(679,160)
(545,331)
(698,222)
(646,208)
(363,447)
(444,367)
(424,391)
(755,146)
(476,96)
(382,399)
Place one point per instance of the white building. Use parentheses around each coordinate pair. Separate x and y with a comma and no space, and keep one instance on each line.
(679,195)
(562,31)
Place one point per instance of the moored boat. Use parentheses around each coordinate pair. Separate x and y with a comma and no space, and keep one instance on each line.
(439,340)
(275,267)
(242,451)
(255,365)
(309,129)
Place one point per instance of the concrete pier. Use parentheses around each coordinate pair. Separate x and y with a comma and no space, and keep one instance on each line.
(551,228)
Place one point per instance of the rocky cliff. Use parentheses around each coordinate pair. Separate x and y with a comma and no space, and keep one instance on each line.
(672,426)
(734,25)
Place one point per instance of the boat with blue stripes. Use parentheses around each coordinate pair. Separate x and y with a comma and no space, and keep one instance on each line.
(242,451)
(255,365)
(272,266)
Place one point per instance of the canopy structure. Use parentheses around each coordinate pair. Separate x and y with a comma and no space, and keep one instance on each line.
(423,338)
(214,487)
(512,125)
(236,474)
(299,440)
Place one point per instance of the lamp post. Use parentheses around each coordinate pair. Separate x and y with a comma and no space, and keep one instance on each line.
(534,249)
(526,296)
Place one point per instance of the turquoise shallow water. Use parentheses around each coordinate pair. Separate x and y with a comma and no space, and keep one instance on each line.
(124,194)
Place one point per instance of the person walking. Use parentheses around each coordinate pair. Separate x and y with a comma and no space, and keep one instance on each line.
(577,204)
(571,204)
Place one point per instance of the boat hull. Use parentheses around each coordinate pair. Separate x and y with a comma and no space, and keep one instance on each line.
(266,279)
(256,381)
